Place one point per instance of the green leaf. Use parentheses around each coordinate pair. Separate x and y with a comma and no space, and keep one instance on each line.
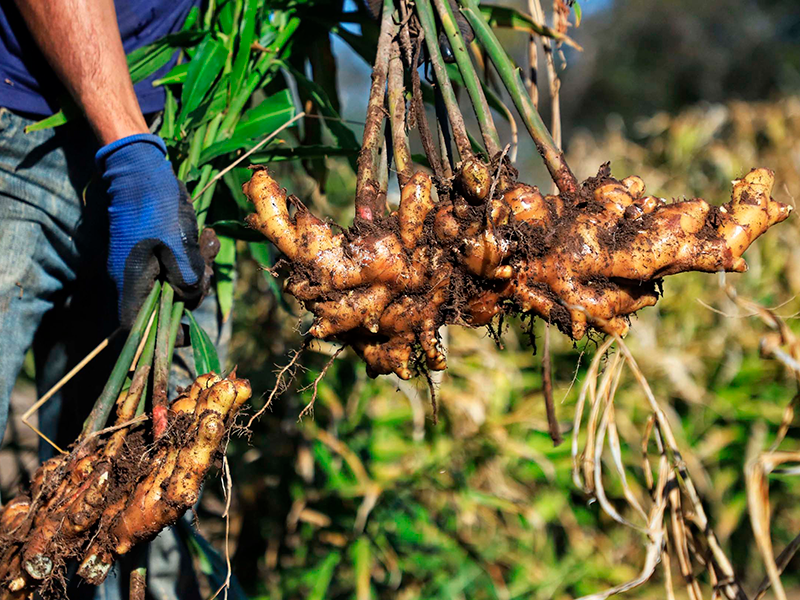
(177,74)
(236,230)
(142,63)
(225,268)
(69,112)
(214,103)
(578,13)
(503,16)
(191,18)
(324,574)
(204,69)
(168,123)
(265,118)
(148,59)
(247,32)
(205,354)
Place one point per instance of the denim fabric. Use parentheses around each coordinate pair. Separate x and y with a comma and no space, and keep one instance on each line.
(56,296)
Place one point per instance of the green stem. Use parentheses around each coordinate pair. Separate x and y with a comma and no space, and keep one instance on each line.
(204,202)
(174,325)
(147,359)
(105,403)
(509,73)
(425,14)
(490,138)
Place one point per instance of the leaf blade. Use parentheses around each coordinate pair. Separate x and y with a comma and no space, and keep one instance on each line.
(205,354)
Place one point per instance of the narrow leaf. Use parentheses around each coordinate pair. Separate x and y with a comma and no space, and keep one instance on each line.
(168,123)
(247,32)
(265,118)
(206,359)
(225,268)
(204,69)
(176,75)
(148,59)
(503,16)
(578,13)
(210,107)
(323,576)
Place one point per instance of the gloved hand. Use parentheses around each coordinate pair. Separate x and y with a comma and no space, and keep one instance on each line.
(152,224)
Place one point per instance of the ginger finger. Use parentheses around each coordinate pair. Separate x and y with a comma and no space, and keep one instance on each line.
(355,308)
(272,216)
(415,204)
(13,513)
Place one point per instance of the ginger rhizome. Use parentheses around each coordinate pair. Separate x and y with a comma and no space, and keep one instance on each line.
(109,494)
(490,246)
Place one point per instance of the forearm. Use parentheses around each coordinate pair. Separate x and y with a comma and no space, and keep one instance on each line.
(80,39)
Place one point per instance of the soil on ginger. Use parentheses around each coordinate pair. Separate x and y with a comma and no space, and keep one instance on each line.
(490,247)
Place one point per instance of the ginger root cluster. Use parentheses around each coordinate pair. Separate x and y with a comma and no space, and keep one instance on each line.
(107,495)
(491,246)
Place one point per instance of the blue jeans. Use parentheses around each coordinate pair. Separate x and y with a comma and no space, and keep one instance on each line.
(56,296)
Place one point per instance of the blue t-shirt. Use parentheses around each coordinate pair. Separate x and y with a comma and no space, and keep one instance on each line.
(28,84)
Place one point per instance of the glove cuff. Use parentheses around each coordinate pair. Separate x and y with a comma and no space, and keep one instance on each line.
(106,151)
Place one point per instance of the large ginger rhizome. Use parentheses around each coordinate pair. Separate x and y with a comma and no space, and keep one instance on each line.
(492,246)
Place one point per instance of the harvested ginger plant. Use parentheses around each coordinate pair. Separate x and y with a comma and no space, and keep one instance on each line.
(493,246)
(109,494)
(471,243)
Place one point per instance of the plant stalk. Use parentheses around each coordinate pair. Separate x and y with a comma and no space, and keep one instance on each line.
(174,325)
(488,130)
(147,359)
(102,408)
(162,363)
(370,203)
(425,14)
(397,116)
(552,155)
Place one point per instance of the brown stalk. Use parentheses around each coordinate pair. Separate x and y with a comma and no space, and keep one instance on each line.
(370,201)
(421,119)
(397,116)
(547,390)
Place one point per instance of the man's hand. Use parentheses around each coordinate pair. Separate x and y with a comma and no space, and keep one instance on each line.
(152,223)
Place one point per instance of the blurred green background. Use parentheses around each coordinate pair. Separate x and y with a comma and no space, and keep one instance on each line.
(367,498)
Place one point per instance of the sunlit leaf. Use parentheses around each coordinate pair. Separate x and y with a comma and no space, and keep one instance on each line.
(265,118)
(247,30)
(204,69)
(206,359)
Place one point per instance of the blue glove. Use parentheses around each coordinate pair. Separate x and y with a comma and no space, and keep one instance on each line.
(152,224)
